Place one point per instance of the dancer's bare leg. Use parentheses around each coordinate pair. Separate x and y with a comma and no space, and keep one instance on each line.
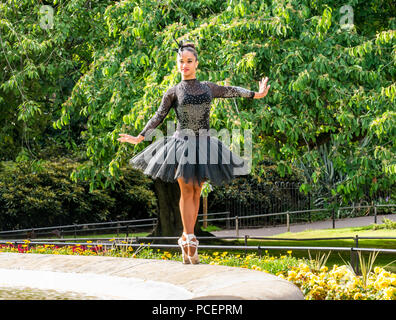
(189,207)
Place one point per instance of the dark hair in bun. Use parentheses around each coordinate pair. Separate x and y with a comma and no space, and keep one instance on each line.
(189,47)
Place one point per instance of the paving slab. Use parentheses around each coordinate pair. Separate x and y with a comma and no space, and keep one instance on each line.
(130,278)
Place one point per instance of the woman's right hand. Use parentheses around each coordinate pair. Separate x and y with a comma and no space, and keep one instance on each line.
(131,139)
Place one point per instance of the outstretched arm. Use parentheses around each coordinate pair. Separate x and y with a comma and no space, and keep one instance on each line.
(219,91)
(235,91)
(166,104)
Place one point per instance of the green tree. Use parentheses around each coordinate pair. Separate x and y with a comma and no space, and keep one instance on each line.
(330,85)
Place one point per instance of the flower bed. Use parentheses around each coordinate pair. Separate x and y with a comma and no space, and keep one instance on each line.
(339,283)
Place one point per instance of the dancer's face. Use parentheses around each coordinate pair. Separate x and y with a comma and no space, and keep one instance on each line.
(187,64)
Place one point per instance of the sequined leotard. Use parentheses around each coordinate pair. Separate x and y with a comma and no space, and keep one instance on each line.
(191,100)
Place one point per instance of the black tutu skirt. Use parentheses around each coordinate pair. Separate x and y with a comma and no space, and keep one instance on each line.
(196,158)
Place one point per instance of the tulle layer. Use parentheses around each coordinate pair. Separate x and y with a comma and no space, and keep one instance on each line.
(195,158)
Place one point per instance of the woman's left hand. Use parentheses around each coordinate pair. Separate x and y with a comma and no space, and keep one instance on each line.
(263,89)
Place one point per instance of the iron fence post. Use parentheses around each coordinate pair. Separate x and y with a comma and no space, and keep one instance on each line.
(288,221)
(375,214)
(237,226)
(246,237)
(357,254)
(352,257)
(333,217)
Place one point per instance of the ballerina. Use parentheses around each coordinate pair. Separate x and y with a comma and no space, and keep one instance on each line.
(191,100)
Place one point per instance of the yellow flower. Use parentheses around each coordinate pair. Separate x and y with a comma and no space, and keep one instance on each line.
(289,252)
(215,253)
(389,292)
(385,283)
(324,269)
(112,240)
(89,241)
(385,273)
(377,270)
(303,267)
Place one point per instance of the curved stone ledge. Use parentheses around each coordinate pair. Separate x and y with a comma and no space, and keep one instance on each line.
(126,278)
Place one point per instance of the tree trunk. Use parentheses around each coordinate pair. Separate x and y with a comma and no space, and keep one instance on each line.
(169,218)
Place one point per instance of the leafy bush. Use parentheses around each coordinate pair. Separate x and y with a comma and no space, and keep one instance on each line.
(387,224)
(47,196)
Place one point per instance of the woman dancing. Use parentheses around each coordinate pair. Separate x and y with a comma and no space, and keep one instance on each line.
(191,100)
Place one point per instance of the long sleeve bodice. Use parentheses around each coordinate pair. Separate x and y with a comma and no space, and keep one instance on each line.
(191,100)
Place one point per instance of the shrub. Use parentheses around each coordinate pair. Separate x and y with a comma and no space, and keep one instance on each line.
(47,197)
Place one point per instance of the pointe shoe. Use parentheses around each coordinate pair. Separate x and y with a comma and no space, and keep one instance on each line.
(193,243)
(182,243)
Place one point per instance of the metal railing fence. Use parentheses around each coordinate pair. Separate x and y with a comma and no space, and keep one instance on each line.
(288,214)
(278,196)
(126,226)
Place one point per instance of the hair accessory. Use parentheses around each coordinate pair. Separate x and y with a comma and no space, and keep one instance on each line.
(180,44)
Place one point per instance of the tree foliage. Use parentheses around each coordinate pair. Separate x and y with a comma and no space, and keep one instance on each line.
(330,85)
(47,197)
